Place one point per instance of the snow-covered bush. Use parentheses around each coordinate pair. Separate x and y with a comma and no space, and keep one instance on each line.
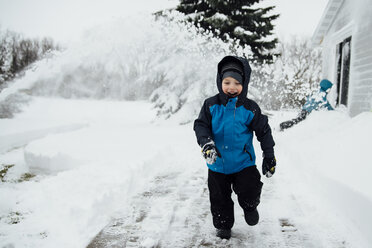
(293,75)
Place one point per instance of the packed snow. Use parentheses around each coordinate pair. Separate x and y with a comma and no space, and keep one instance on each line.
(112,168)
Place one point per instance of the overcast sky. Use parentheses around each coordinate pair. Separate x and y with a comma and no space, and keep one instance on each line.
(65,19)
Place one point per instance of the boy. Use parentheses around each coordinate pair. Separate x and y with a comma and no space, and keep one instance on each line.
(316,101)
(224,130)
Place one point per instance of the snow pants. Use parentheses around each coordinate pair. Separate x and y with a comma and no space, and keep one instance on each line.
(287,124)
(246,184)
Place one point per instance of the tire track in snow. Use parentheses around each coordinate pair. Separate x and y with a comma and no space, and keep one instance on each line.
(171,211)
(174,212)
(279,228)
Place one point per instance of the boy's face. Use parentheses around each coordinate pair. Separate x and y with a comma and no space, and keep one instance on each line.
(231,87)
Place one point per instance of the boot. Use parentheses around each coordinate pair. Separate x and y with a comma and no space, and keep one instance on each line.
(224,233)
(251,217)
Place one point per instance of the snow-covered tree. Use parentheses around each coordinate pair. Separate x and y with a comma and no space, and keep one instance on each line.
(235,19)
(17,52)
(5,57)
(293,75)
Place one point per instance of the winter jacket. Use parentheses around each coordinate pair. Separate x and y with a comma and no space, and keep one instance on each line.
(230,123)
(318,100)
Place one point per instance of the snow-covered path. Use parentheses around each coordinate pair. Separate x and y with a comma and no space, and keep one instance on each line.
(122,180)
(173,211)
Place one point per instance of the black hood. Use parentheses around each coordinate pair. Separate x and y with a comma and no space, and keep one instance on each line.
(246,77)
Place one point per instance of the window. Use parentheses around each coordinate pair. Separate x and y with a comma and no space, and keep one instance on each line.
(343,70)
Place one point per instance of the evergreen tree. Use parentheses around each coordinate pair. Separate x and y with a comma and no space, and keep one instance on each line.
(236,19)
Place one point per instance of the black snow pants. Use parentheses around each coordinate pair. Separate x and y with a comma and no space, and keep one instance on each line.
(287,124)
(246,184)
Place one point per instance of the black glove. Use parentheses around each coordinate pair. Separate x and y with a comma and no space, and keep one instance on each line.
(268,166)
(210,152)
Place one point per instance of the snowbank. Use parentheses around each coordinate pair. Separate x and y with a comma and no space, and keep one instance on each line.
(338,147)
(333,150)
(82,177)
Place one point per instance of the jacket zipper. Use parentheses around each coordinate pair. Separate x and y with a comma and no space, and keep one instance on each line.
(245,150)
(234,110)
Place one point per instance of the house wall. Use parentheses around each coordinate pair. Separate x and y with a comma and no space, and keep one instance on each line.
(353,19)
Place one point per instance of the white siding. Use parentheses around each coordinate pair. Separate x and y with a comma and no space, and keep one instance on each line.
(353,19)
(362,64)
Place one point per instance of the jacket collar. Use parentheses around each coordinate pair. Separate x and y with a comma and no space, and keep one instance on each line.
(225,98)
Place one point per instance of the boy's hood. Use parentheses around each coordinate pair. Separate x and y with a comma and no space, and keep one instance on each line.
(246,76)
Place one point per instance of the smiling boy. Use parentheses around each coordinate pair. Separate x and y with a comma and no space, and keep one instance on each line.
(224,130)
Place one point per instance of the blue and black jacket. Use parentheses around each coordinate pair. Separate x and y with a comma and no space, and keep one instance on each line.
(230,123)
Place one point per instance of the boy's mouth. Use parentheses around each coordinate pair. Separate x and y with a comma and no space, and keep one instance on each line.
(232,94)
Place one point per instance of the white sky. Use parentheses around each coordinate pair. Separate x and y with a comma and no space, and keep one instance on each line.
(298,17)
(64,20)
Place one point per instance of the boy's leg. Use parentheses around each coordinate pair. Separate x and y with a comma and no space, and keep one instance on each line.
(247,185)
(222,206)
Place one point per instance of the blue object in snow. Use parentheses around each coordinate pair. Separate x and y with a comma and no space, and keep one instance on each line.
(319,99)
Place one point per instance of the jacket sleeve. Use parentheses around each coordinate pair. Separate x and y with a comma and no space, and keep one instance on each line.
(203,125)
(260,125)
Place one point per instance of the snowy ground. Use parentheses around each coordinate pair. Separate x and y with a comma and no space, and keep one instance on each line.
(77,173)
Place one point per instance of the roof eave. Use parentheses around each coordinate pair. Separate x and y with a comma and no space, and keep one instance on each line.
(326,21)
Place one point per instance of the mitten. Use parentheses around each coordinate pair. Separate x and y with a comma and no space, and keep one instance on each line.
(210,152)
(268,166)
